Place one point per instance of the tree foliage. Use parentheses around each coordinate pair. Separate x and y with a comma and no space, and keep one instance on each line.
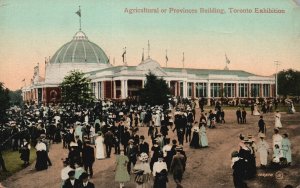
(155,91)
(289,82)
(75,89)
(16,97)
(4,101)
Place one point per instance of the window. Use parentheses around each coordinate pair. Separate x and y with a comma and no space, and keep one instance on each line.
(190,89)
(229,90)
(266,90)
(255,90)
(243,90)
(201,90)
(181,89)
(215,89)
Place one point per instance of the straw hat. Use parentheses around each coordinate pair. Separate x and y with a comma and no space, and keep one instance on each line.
(143,157)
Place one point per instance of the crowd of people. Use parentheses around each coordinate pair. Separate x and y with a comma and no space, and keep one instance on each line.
(92,132)
(244,159)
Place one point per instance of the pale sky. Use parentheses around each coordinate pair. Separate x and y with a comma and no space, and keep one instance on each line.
(34,29)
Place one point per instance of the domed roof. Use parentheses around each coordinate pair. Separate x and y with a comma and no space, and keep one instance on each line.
(148,64)
(80,50)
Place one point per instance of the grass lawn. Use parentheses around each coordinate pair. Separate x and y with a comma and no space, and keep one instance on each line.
(13,162)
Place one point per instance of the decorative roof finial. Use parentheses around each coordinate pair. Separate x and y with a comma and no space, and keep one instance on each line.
(143,55)
(148,49)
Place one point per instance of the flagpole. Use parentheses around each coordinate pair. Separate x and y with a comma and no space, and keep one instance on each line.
(276,78)
(80,19)
(148,49)
(183,59)
(166,58)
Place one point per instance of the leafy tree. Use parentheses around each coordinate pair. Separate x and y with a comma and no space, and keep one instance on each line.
(16,97)
(155,91)
(4,101)
(289,82)
(75,88)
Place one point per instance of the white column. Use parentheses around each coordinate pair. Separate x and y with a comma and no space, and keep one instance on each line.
(185,89)
(249,89)
(122,89)
(96,90)
(236,90)
(175,85)
(115,89)
(169,83)
(208,93)
(143,83)
(102,90)
(126,88)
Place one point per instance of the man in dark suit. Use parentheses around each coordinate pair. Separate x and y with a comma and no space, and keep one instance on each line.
(144,146)
(85,181)
(109,142)
(88,157)
(239,116)
(131,152)
(71,182)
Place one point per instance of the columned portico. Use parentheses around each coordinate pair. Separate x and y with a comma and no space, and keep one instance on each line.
(208,93)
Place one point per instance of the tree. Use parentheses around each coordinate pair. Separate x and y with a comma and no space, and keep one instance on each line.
(155,91)
(16,97)
(75,89)
(289,82)
(4,101)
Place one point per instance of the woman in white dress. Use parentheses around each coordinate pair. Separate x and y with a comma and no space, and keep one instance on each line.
(99,146)
(202,134)
(277,139)
(255,111)
(277,120)
(293,108)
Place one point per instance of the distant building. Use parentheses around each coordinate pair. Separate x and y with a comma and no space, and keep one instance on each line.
(120,82)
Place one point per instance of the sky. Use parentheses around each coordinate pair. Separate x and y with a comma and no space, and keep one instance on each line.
(34,29)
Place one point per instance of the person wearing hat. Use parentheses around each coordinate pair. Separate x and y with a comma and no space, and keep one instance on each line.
(244,115)
(178,166)
(71,182)
(109,142)
(122,174)
(142,172)
(286,148)
(203,141)
(143,146)
(64,172)
(99,146)
(195,139)
(277,120)
(263,150)
(78,170)
(88,157)
(41,156)
(78,130)
(125,139)
(277,138)
(25,152)
(262,125)
(160,174)
(131,153)
(238,167)
(84,177)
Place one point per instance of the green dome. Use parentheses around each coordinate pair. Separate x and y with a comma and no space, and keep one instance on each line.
(80,50)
